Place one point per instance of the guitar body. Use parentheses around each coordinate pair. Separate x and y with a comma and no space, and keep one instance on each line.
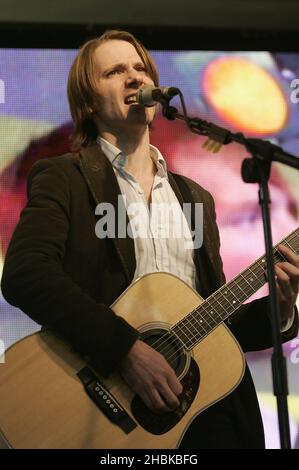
(44,403)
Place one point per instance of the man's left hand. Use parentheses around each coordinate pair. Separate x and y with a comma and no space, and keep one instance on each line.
(287,283)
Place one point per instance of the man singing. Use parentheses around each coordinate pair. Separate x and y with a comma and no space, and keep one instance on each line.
(65,277)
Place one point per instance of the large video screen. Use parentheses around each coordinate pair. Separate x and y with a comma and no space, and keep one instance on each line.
(256,93)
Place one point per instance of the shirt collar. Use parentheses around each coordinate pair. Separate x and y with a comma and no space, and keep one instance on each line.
(118,159)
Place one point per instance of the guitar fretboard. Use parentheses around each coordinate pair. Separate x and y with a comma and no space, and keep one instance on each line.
(226,300)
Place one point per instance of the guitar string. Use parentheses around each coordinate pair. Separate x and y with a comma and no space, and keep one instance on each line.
(164,339)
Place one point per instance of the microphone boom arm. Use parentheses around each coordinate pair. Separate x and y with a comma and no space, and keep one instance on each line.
(263,149)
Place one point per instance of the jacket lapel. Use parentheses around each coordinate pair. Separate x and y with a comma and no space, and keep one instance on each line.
(176,189)
(208,281)
(102,183)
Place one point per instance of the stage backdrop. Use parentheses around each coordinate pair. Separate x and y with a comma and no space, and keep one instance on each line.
(253,92)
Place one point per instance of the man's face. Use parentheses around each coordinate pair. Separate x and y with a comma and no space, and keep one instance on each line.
(120,72)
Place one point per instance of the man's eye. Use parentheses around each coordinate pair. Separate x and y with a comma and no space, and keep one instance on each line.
(113,72)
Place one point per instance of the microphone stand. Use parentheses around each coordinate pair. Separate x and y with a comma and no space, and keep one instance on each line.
(254,170)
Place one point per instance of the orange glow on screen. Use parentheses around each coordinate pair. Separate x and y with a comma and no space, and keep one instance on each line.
(245,95)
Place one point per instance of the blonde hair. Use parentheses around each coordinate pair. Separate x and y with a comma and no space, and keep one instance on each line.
(81,87)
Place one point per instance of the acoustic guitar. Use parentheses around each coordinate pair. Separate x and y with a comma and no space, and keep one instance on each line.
(51,398)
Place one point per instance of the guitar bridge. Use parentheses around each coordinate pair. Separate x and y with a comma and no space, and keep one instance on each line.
(105,401)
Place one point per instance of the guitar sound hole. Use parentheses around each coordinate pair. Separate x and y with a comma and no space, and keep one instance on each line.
(168,345)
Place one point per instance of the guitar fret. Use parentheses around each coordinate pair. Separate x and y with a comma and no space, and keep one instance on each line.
(225,297)
(289,245)
(252,272)
(200,325)
(236,300)
(250,284)
(209,312)
(230,298)
(194,329)
(221,306)
(243,293)
(185,339)
(258,281)
(190,328)
(201,322)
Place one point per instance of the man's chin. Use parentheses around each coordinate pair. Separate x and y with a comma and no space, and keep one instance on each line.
(139,121)
(137,110)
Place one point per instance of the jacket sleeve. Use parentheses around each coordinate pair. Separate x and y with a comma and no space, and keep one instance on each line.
(34,279)
(252,327)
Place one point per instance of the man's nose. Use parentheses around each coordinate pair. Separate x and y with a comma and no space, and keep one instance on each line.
(135,77)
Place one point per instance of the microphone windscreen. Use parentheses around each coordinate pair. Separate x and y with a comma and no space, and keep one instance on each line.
(145,96)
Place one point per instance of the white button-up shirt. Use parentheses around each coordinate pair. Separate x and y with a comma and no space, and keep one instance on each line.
(162,237)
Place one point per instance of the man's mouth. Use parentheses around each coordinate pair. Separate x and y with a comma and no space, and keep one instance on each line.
(131,99)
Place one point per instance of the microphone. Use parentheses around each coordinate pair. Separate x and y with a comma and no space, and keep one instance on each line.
(151,95)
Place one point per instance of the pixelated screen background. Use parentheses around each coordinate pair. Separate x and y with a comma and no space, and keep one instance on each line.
(247,91)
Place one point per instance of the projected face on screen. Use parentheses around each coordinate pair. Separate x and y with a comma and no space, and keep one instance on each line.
(244,91)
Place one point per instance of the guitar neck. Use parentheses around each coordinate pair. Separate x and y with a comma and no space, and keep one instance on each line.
(226,300)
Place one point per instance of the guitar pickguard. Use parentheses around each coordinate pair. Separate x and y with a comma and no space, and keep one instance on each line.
(161,423)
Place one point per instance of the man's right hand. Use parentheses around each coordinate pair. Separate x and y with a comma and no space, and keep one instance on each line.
(149,375)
